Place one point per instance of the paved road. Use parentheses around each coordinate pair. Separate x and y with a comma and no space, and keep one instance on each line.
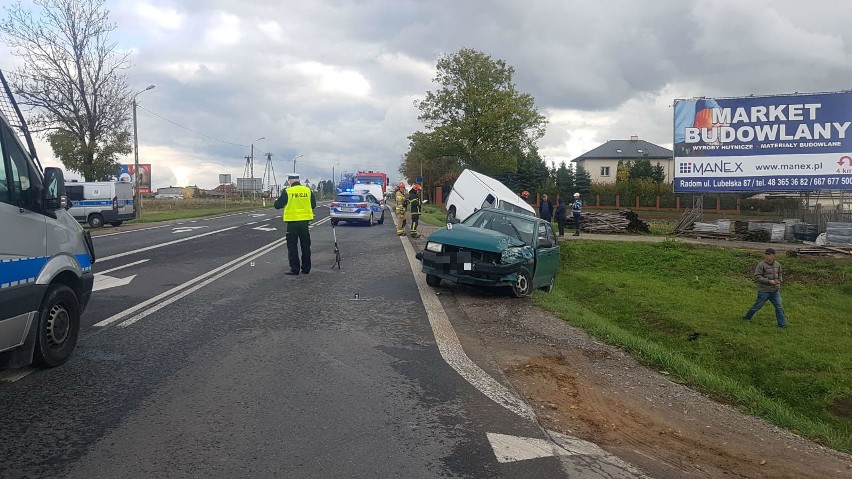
(199,358)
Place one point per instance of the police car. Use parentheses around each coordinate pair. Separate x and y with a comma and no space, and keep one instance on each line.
(356,207)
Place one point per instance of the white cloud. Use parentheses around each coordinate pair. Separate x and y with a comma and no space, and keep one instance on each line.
(331,79)
(224,31)
(272,30)
(158,17)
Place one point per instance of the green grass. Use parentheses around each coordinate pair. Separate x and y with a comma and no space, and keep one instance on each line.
(433,215)
(166,210)
(649,298)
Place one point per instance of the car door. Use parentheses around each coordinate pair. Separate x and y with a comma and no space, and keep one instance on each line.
(546,255)
(375,206)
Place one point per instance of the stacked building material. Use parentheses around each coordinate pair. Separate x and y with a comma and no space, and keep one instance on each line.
(622,222)
(838,234)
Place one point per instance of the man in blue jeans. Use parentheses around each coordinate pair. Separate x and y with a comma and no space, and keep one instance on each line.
(768,276)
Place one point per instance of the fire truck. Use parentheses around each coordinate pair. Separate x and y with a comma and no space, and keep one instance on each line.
(372,178)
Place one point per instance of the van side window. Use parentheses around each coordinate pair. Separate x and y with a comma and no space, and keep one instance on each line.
(21,192)
(75,193)
(490,202)
(5,194)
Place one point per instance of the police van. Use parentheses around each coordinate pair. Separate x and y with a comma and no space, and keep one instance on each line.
(45,256)
(101,202)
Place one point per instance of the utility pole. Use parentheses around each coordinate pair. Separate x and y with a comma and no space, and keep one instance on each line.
(137,195)
(294,162)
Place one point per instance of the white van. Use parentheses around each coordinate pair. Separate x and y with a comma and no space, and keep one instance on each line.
(375,190)
(45,256)
(473,191)
(99,202)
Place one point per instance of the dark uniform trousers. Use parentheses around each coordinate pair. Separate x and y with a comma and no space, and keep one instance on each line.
(299,234)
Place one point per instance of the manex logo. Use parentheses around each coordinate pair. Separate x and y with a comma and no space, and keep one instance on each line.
(710,167)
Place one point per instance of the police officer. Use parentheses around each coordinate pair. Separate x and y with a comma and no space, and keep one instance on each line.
(401,206)
(414,207)
(298,202)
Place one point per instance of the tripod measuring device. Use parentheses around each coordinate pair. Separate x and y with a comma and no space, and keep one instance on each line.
(336,248)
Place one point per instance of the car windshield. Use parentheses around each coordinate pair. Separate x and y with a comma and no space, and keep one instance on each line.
(349,199)
(509,225)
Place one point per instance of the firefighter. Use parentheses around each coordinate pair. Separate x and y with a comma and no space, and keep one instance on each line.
(414,207)
(401,207)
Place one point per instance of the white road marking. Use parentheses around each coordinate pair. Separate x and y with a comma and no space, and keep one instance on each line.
(124,266)
(251,223)
(265,227)
(451,349)
(12,375)
(187,229)
(514,448)
(257,215)
(178,288)
(195,288)
(608,465)
(103,281)
(168,243)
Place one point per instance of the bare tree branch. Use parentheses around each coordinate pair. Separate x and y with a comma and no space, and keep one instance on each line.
(72,80)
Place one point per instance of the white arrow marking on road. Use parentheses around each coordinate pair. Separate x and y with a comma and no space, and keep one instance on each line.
(187,229)
(124,266)
(265,228)
(256,215)
(103,281)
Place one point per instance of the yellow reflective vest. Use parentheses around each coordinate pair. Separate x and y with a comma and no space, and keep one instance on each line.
(298,206)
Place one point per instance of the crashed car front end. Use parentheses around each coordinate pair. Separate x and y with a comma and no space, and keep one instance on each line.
(498,263)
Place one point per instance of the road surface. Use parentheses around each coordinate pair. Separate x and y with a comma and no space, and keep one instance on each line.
(198,357)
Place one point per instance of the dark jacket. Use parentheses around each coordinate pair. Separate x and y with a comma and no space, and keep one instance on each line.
(545,209)
(414,203)
(561,211)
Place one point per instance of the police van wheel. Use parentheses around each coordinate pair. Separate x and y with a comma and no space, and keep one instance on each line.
(382,219)
(116,223)
(334,222)
(96,220)
(433,281)
(58,326)
(523,285)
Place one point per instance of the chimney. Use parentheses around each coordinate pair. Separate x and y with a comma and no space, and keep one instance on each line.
(634,138)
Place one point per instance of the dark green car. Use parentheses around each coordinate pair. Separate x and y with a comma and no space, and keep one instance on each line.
(494,247)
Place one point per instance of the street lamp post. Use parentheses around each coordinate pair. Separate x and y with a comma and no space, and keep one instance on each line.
(137,199)
(251,166)
(333,180)
(294,162)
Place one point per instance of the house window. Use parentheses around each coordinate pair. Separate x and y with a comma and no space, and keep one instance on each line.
(604,171)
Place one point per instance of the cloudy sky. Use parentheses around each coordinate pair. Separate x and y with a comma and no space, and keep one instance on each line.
(335,82)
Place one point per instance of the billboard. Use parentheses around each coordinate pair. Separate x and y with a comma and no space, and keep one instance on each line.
(126,173)
(769,143)
(250,184)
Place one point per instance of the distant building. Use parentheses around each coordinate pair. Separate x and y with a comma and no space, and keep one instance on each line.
(222,191)
(602,162)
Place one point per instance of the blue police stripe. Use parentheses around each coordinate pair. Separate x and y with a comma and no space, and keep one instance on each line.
(20,271)
(85,262)
(101,203)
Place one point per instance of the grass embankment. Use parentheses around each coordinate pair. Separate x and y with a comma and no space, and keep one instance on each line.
(433,215)
(650,298)
(166,210)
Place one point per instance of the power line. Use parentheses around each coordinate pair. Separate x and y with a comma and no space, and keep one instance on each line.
(190,129)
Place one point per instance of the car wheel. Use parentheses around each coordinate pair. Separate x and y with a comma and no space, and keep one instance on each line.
(451,214)
(382,219)
(58,326)
(116,223)
(334,222)
(433,281)
(96,220)
(370,221)
(523,285)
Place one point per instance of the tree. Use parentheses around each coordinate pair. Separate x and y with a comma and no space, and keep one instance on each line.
(658,173)
(477,116)
(582,180)
(72,79)
(564,180)
(641,169)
